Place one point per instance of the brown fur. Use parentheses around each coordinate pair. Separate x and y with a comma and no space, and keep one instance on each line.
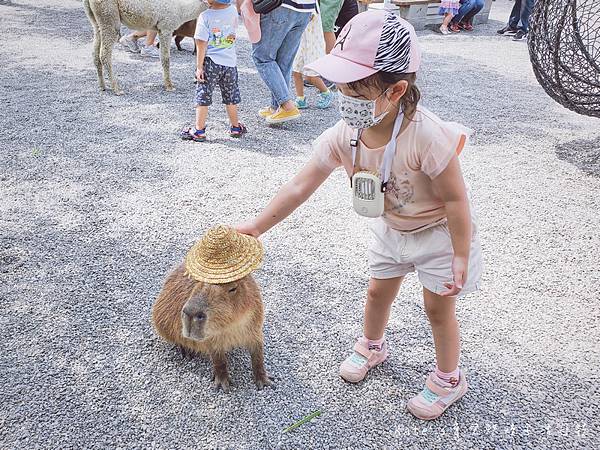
(232,320)
(186,30)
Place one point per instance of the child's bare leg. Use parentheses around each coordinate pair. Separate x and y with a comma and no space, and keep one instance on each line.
(201,116)
(232,112)
(380,296)
(447,19)
(318,83)
(298,84)
(370,350)
(138,34)
(444,326)
(446,385)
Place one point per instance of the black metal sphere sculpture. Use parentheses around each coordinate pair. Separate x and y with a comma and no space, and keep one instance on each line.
(564,48)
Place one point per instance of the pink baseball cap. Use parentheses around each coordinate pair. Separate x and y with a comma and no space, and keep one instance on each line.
(371,42)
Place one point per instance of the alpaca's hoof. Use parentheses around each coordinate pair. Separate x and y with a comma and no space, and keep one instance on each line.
(170,88)
(119,92)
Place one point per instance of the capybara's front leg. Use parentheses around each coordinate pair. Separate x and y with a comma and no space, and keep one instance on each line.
(261,378)
(220,374)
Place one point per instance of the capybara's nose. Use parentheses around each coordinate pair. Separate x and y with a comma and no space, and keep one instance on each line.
(193,313)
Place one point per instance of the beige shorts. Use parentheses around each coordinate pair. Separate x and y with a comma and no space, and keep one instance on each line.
(429,252)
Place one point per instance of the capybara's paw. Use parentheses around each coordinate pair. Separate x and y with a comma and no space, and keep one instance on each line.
(222,382)
(185,352)
(263,381)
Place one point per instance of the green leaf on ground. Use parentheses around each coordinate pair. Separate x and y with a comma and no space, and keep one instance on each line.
(303,421)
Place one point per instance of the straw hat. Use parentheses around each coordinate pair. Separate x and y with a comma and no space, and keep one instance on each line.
(223,255)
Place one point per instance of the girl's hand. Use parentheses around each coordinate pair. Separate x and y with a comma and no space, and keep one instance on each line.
(248,228)
(460,265)
(200,75)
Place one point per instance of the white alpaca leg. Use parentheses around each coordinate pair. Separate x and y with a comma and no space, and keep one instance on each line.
(97,41)
(108,38)
(96,55)
(165,48)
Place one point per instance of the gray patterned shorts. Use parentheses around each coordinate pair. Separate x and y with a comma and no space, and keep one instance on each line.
(227,79)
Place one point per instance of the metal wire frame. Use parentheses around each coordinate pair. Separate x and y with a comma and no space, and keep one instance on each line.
(564,48)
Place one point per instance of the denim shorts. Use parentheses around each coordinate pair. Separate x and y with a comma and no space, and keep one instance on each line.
(224,76)
(429,252)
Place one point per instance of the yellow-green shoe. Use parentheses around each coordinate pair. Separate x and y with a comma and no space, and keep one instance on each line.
(266,112)
(281,115)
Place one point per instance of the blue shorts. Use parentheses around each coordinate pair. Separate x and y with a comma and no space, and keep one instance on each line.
(224,76)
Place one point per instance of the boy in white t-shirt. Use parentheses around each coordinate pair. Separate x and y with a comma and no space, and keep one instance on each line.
(216,62)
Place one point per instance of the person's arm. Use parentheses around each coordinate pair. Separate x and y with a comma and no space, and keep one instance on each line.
(200,54)
(329,41)
(290,196)
(450,187)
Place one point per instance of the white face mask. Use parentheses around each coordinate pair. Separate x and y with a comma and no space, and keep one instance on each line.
(359,113)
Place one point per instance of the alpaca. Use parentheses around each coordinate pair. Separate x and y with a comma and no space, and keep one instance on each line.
(164,16)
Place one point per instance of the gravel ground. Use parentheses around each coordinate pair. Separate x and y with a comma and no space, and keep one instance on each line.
(99,199)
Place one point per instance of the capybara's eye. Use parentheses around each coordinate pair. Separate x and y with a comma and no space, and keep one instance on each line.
(233,289)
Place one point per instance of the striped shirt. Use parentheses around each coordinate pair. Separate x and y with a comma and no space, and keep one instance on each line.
(308,6)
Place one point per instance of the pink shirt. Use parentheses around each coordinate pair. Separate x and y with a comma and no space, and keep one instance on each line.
(251,20)
(423,150)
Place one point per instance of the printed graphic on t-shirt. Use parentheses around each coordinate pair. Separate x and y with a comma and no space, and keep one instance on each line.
(400,191)
(218,39)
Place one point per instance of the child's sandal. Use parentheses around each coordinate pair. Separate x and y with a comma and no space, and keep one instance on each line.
(192,134)
(237,132)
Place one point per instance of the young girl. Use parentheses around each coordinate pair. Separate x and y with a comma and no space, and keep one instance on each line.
(312,47)
(404,170)
(448,9)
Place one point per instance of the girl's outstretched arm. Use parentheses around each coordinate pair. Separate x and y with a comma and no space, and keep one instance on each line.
(290,196)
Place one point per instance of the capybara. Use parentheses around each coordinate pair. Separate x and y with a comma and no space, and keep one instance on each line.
(213,319)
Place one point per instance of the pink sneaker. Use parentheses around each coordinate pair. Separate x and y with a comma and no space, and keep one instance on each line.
(356,366)
(437,396)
